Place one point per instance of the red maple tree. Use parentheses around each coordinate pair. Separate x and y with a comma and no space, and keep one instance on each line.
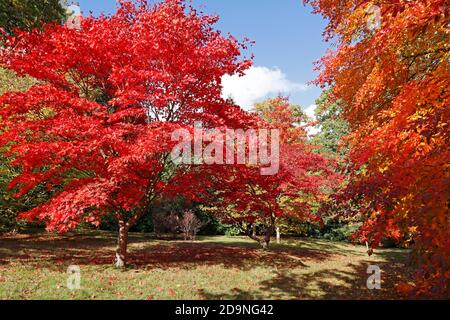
(245,197)
(96,130)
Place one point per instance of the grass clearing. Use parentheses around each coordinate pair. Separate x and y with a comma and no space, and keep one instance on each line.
(34,266)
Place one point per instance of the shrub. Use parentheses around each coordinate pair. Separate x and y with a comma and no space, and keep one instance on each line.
(164,222)
(9,223)
(189,225)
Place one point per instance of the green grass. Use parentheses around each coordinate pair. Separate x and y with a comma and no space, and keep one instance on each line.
(35,267)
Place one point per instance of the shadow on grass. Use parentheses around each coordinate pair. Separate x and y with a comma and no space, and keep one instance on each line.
(298,268)
(329,284)
(147,253)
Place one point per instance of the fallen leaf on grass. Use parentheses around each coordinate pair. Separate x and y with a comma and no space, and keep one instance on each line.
(172,293)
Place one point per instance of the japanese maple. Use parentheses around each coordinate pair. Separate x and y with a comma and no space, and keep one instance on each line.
(246,198)
(393,77)
(96,130)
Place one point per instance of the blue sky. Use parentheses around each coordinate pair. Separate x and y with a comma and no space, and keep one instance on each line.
(288,40)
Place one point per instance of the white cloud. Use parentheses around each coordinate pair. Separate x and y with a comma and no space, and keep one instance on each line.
(257,84)
(310,112)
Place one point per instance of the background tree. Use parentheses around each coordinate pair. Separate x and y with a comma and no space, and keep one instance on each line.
(98,132)
(10,206)
(339,219)
(392,78)
(29,14)
(23,14)
(333,128)
(246,197)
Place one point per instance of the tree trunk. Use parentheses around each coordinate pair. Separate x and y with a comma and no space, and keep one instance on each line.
(121,252)
(124,228)
(265,243)
(252,235)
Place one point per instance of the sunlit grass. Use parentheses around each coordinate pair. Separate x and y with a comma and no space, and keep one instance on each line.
(35,267)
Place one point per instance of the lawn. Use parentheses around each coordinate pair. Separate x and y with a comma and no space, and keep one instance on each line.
(34,266)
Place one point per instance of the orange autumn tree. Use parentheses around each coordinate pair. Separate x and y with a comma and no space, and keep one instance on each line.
(391,70)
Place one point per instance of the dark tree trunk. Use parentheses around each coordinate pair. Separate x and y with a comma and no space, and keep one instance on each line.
(265,241)
(252,236)
(122,244)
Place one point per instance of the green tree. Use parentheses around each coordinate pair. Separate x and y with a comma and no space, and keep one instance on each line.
(9,206)
(333,127)
(330,141)
(29,14)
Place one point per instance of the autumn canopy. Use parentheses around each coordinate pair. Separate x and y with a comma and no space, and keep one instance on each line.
(392,76)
